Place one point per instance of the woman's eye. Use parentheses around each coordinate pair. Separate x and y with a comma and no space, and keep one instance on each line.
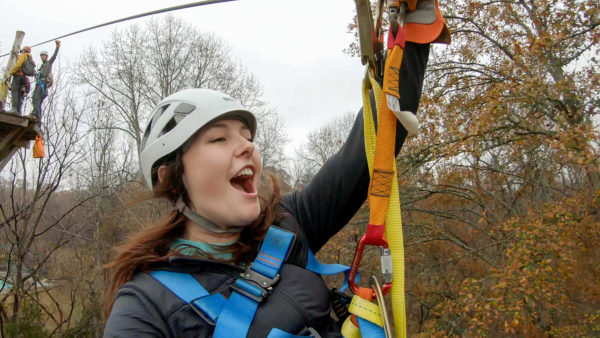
(218,139)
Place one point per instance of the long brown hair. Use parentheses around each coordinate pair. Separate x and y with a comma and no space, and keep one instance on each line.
(151,244)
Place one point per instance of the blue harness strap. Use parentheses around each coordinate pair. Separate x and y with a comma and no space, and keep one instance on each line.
(329,269)
(278,333)
(188,289)
(255,284)
(233,317)
(184,285)
(368,329)
(41,83)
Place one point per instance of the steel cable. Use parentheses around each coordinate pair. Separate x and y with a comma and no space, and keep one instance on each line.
(158,11)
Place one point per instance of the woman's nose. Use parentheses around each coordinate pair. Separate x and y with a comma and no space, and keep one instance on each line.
(246,147)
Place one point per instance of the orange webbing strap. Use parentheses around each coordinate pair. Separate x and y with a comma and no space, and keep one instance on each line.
(383,166)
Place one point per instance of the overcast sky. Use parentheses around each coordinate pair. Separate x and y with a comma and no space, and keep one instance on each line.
(295,48)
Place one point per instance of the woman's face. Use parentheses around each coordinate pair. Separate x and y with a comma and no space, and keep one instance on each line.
(222,172)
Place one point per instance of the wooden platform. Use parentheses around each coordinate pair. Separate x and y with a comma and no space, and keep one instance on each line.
(15,132)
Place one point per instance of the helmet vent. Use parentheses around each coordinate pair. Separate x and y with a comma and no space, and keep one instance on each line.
(178,117)
(169,126)
(146,134)
(159,112)
(184,108)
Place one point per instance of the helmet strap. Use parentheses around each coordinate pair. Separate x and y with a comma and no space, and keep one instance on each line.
(203,222)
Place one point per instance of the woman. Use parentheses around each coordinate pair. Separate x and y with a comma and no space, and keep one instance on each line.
(198,154)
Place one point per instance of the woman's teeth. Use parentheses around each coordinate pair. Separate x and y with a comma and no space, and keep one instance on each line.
(245,172)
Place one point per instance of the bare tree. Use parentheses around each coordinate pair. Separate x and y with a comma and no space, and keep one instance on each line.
(322,143)
(300,169)
(115,75)
(36,216)
(271,139)
(138,67)
(325,141)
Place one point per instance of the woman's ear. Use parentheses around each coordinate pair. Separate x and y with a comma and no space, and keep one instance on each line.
(162,171)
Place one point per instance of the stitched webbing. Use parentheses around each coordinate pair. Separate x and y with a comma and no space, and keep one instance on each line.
(393,219)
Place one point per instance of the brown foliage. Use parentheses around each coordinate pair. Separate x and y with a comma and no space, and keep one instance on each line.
(546,281)
(500,188)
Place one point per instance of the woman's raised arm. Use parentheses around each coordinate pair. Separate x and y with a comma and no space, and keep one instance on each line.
(340,187)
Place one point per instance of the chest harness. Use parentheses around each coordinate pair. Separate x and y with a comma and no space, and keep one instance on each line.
(39,81)
(233,317)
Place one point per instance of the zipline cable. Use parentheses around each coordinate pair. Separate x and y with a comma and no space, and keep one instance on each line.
(158,11)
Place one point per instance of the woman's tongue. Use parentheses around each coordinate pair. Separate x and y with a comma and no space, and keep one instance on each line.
(244,185)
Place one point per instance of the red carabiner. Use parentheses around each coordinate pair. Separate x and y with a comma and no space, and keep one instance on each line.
(373,236)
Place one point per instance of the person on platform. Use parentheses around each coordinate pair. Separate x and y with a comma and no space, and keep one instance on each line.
(43,81)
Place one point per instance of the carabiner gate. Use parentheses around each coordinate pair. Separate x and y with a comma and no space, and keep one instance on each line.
(373,236)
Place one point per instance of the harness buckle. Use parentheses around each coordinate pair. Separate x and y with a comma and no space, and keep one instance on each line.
(340,301)
(260,279)
(255,285)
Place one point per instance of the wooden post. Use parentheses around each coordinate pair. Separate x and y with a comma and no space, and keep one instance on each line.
(14,54)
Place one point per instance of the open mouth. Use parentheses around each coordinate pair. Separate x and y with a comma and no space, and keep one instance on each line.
(244,181)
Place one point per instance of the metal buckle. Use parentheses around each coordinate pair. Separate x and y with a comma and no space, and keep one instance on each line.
(339,302)
(262,282)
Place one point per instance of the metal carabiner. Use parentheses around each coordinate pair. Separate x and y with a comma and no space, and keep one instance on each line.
(373,236)
(370,35)
(397,12)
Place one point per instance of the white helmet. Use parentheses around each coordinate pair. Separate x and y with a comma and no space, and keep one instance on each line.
(179,116)
(44,52)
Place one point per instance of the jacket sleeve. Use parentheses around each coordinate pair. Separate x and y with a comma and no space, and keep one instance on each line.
(134,316)
(54,55)
(20,61)
(340,187)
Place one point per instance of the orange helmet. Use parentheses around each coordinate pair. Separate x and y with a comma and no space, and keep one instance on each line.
(27,49)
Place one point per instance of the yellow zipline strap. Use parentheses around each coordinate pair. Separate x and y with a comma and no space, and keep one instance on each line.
(361,306)
(393,218)
(365,309)
(349,330)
